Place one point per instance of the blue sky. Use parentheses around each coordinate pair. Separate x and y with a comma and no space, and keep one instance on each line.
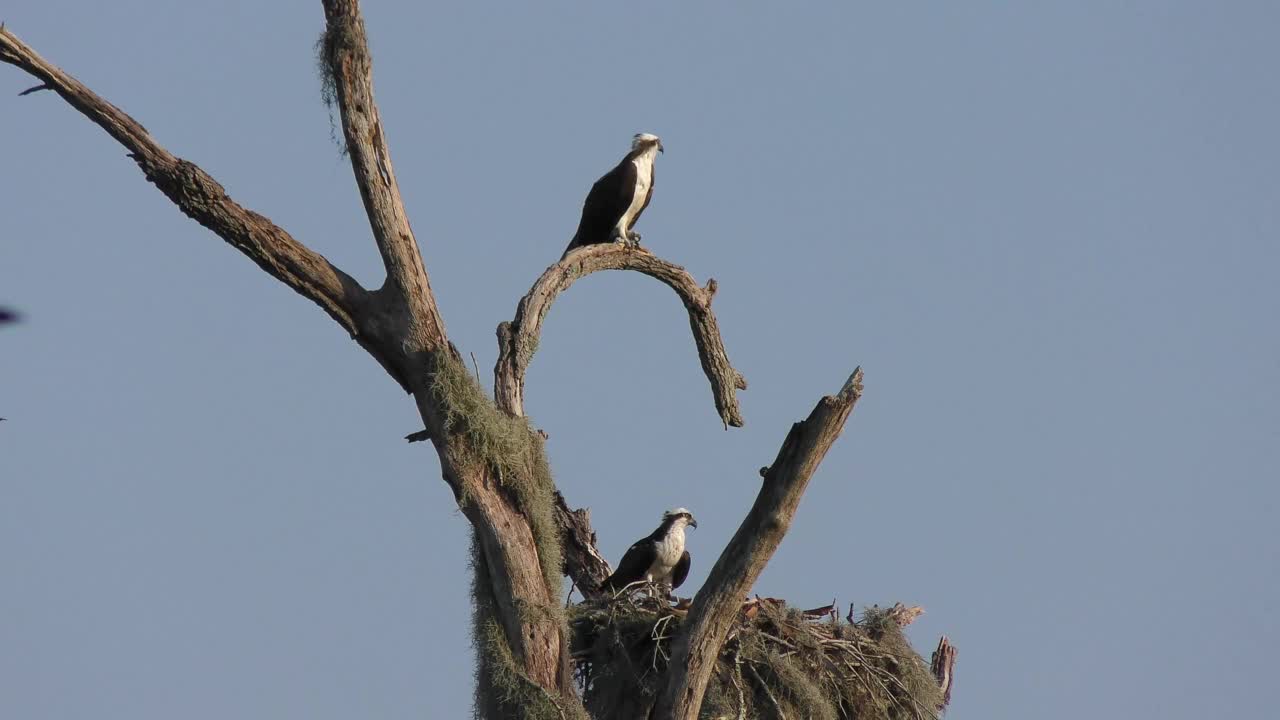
(1047,231)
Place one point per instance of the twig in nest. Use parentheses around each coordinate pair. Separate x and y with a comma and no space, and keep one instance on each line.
(626,590)
(475,365)
(768,693)
(778,640)
(736,677)
(823,611)
(659,634)
(903,615)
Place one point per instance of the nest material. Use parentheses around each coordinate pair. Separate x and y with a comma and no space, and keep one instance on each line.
(778,662)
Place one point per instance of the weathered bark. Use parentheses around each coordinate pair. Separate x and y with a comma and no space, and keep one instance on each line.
(399,324)
(345,57)
(718,601)
(583,563)
(202,199)
(943,665)
(518,339)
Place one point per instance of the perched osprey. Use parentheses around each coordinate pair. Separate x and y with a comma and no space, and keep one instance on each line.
(659,558)
(617,199)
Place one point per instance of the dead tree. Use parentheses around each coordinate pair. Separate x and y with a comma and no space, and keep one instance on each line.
(524,534)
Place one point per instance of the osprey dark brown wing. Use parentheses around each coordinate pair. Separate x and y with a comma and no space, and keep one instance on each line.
(680,571)
(614,204)
(635,563)
(609,198)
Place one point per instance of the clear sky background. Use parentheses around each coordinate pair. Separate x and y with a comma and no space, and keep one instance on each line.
(1047,231)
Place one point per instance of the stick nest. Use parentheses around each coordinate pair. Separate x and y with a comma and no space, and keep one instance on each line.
(779,662)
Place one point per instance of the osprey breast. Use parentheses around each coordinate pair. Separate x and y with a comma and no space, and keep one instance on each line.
(644,180)
(667,552)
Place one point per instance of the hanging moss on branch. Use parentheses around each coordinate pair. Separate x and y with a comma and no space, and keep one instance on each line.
(511,449)
(340,39)
(779,662)
(502,689)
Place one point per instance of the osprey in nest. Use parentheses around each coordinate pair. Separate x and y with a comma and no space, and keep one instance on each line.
(659,559)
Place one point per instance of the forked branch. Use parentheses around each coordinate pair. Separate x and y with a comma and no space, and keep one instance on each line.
(718,602)
(518,339)
(201,198)
(345,60)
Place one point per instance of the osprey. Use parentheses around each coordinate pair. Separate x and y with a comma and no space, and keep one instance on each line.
(659,558)
(617,199)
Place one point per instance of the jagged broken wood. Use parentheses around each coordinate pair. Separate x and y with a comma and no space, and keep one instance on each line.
(583,563)
(719,601)
(518,339)
(943,666)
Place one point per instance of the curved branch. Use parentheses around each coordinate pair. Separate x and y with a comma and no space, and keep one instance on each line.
(201,198)
(718,602)
(518,339)
(349,71)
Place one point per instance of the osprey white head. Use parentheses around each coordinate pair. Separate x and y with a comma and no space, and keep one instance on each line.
(644,141)
(680,514)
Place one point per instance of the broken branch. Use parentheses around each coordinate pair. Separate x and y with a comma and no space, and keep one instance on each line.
(943,667)
(717,604)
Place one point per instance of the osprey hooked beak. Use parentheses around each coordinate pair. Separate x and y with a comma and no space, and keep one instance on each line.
(680,513)
(646,140)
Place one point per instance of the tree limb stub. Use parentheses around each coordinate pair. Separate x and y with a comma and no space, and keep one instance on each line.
(720,598)
(345,58)
(943,665)
(518,339)
(583,563)
(204,200)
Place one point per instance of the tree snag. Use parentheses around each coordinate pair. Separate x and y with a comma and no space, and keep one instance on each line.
(525,536)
